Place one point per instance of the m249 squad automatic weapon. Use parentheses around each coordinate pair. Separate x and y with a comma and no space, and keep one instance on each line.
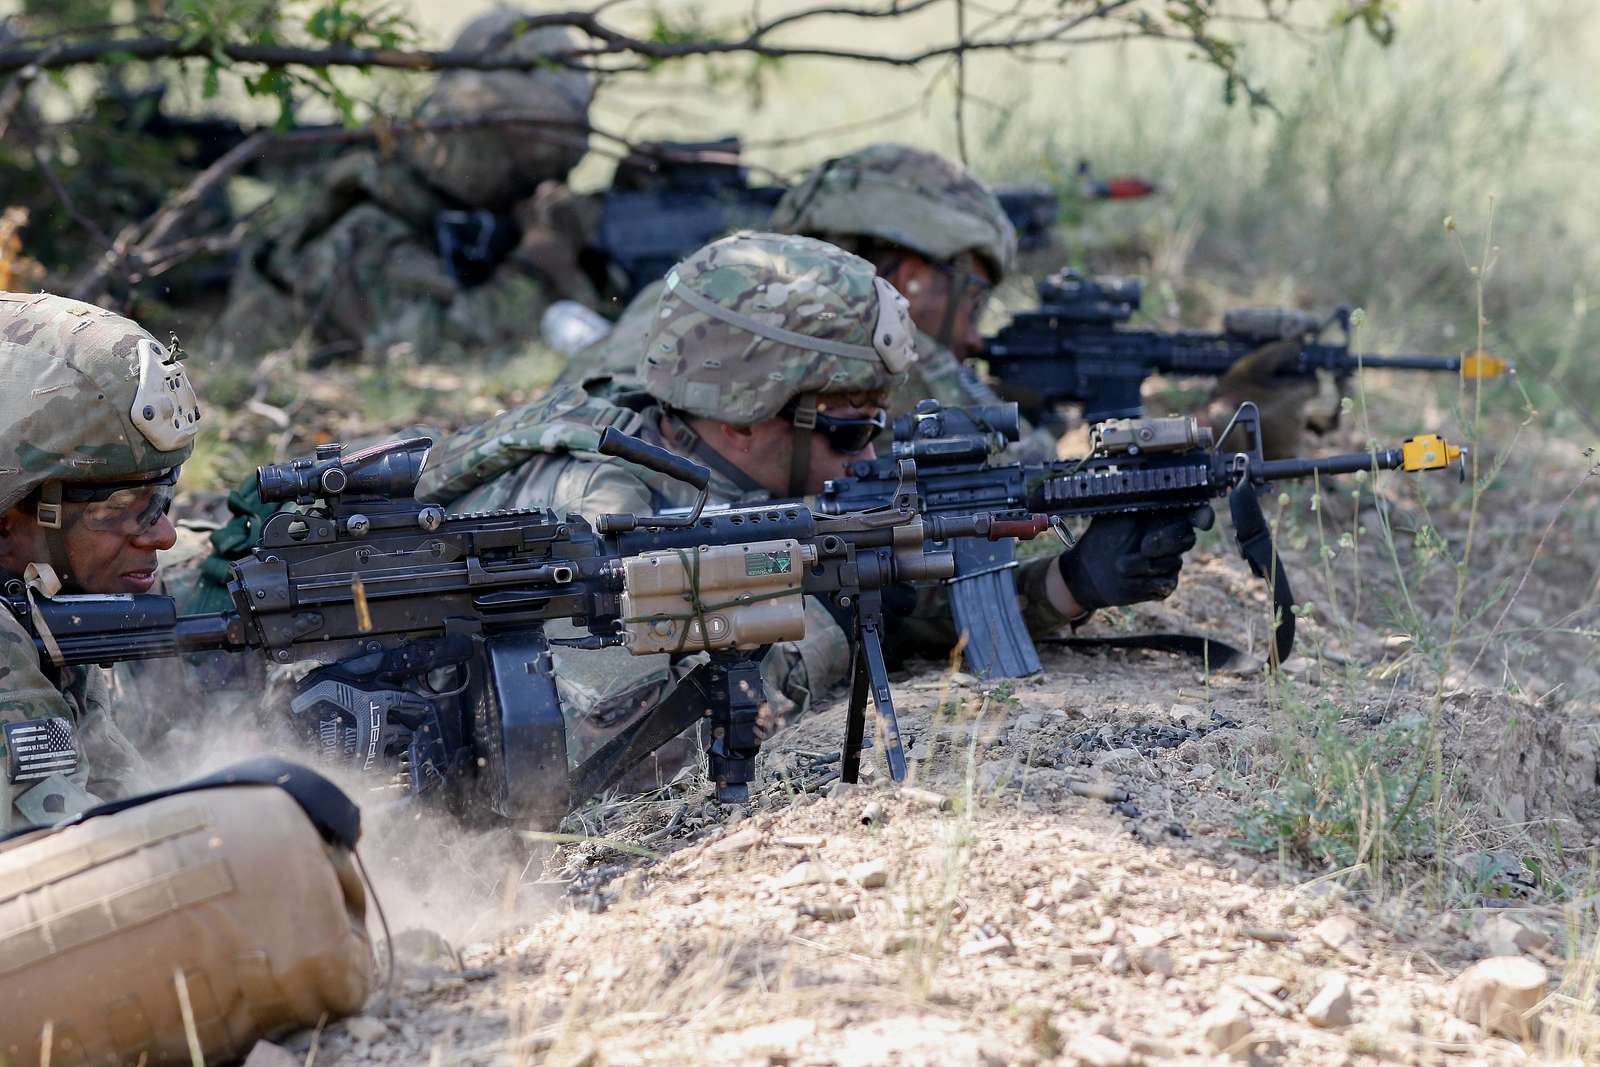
(1134,466)
(1075,349)
(431,626)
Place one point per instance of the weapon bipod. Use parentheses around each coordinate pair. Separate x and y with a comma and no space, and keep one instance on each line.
(869,673)
(727,693)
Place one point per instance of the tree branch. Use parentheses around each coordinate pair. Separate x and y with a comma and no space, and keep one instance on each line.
(612,43)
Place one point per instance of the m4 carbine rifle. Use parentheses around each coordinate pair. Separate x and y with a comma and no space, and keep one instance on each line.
(1135,466)
(431,626)
(1074,349)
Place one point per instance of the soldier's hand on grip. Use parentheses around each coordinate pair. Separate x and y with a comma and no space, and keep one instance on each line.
(1130,559)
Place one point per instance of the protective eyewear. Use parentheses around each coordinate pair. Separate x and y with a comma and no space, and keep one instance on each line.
(127,508)
(966,285)
(847,434)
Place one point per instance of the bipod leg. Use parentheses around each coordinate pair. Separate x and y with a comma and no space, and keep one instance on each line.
(883,700)
(855,727)
(738,694)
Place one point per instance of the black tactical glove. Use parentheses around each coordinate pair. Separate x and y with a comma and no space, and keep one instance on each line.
(1129,559)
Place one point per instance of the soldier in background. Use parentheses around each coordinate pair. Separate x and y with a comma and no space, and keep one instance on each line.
(454,242)
(770,361)
(95,418)
(934,231)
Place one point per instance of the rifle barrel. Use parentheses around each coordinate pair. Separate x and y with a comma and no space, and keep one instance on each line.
(1440,363)
(1273,470)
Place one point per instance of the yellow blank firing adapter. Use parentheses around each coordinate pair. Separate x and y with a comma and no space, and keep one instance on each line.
(1428,452)
(1484,365)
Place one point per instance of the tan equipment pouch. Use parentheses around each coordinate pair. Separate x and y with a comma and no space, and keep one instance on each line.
(222,911)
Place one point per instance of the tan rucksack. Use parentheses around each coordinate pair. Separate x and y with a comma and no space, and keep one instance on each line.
(237,892)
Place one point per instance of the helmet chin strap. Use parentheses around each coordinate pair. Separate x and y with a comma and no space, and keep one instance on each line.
(805,420)
(49,514)
(956,286)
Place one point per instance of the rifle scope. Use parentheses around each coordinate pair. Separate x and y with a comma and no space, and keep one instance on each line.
(386,470)
(931,420)
(1076,297)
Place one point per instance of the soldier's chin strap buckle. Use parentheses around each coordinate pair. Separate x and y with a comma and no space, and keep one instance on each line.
(804,421)
(48,508)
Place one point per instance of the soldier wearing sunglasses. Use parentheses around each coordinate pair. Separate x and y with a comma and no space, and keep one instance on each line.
(770,361)
(96,417)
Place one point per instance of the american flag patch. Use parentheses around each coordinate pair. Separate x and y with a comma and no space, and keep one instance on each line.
(38,748)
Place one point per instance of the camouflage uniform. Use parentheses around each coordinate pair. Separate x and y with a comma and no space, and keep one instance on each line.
(361,268)
(85,395)
(543,454)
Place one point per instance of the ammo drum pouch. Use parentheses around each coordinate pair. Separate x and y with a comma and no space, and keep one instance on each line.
(238,891)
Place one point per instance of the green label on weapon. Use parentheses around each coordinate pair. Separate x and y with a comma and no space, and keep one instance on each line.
(761,564)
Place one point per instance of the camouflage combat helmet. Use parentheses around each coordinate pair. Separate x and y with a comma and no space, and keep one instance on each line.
(495,166)
(753,321)
(758,325)
(904,196)
(85,395)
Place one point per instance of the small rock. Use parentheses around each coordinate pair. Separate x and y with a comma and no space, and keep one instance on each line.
(873,874)
(1504,936)
(1202,771)
(366,1028)
(807,873)
(1106,931)
(828,913)
(1110,793)
(1499,994)
(802,841)
(999,943)
(1073,887)
(1115,960)
(1150,959)
(1224,1029)
(1116,757)
(266,1054)
(1034,900)
(1332,1006)
(1093,1050)
(1451,1031)
(1341,934)
(741,841)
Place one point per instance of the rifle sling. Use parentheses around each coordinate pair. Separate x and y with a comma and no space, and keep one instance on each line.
(1255,545)
(1215,654)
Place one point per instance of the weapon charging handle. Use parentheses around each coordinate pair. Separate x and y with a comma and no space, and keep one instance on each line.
(616,443)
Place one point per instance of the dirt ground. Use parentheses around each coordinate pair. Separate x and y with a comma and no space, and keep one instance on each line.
(1072,877)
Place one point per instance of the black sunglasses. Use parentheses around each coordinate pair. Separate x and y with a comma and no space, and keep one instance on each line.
(847,435)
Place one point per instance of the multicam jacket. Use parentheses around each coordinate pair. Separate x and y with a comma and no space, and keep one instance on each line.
(45,715)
